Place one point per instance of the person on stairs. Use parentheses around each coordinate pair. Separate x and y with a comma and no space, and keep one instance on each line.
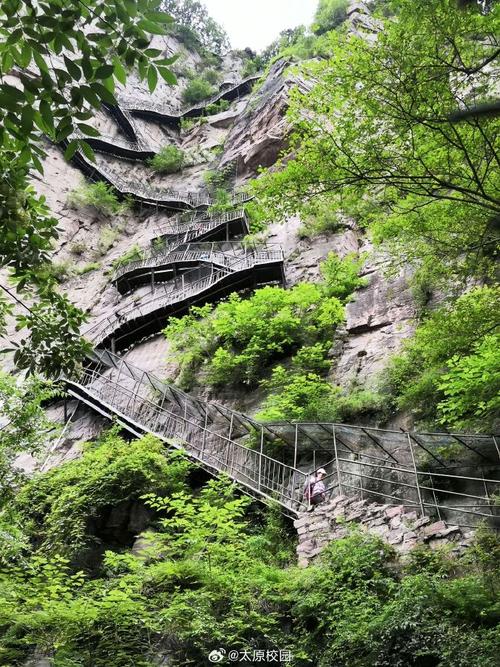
(314,492)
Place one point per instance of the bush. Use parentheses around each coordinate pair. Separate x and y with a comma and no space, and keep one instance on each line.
(78,248)
(329,15)
(321,217)
(91,266)
(133,254)
(107,238)
(299,397)
(237,339)
(446,371)
(63,507)
(217,107)
(168,160)
(211,76)
(341,275)
(99,196)
(197,90)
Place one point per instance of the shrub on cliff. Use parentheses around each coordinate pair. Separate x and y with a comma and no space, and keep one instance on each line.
(100,196)
(168,160)
(197,90)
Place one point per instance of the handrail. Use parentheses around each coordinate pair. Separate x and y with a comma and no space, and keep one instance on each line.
(198,222)
(132,105)
(170,293)
(261,474)
(211,252)
(151,192)
(258,473)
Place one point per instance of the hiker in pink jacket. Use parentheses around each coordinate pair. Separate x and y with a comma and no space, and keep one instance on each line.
(314,492)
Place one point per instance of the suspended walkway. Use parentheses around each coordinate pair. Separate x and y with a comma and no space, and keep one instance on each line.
(386,466)
(172,249)
(116,146)
(164,114)
(141,316)
(147,194)
(203,226)
(172,260)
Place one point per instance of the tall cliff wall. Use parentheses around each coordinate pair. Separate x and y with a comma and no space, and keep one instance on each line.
(249,134)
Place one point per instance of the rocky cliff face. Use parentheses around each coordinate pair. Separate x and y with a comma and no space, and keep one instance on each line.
(249,134)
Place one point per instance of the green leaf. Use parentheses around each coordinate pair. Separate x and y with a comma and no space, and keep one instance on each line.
(88,130)
(90,96)
(46,113)
(159,17)
(87,151)
(151,27)
(152,78)
(167,75)
(73,69)
(40,62)
(27,116)
(7,102)
(104,72)
(103,92)
(119,71)
(71,149)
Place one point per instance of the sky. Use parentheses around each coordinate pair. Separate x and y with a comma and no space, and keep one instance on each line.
(256,23)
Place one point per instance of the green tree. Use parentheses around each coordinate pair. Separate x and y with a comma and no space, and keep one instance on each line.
(197,90)
(24,427)
(168,160)
(449,369)
(193,16)
(376,126)
(59,62)
(329,15)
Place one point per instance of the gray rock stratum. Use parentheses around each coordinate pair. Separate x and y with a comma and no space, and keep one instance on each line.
(251,133)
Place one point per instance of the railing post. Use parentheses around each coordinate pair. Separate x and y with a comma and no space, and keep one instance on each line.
(204,439)
(334,435)
(416,474)
(260,457)
(295,445)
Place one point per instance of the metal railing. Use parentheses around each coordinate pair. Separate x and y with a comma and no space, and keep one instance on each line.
(379,465)
(132,146)
(188,285)
(222,253)
(256,472)
(150,193)
(197,225)
(132,105)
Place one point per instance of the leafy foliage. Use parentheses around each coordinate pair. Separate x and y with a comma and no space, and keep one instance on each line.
(100,196)
(471,387)
(213,577)
(303,397)
(198,28)
(133,254)
(448,369)
(341,275)
(376,126)
(236,340)
(25,427)
(168,160)
(197,90)
(329,15)
(57,100)
(64,503)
